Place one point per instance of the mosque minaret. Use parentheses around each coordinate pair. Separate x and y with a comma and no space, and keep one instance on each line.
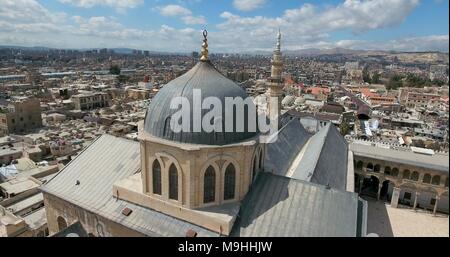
(276,82)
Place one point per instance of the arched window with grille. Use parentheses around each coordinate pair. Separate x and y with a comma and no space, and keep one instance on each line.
(359,165)
(427,178)
(377,168)
(436,180)
(415,176)
(62,223)
(387,170)
(156,177)
(406,174)
(209,185)
(173,182)
(229,182)
(394,172)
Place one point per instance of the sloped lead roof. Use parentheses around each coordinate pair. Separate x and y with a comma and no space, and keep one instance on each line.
(280,206)
(211,82)
(323,155)
(325,159)
(289,142)
(107,160)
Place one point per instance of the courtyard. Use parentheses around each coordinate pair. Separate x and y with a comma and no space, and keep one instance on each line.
(404,221)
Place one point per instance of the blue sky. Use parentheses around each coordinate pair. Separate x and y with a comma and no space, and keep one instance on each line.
(233,25)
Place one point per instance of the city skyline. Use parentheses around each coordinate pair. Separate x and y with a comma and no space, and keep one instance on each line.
(234,26)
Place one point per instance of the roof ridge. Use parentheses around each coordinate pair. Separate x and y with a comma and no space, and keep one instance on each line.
(322,139)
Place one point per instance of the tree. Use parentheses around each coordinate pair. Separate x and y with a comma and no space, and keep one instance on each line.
(114,69)
(344,128)
(366,75)
(376,78)
(438,82)
(395,82)
(414,80)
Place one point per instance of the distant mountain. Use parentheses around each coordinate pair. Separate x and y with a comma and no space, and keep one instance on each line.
(315,51)
(339,51)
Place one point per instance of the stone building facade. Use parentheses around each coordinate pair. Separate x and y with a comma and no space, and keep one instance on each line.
(403,182)
(20,115)
(89,101)
(61,214)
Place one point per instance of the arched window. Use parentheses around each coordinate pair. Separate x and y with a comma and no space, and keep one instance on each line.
(173,182)
(387,170)
(406,174)
(394,172)
(415,176)
(359,165)
(156,177)
(377,168)
(209,185)
(370,166)
(436,180)
(62,224)
(229,182)
(427,178)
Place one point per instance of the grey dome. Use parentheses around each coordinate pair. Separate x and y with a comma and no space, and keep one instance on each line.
(211,82)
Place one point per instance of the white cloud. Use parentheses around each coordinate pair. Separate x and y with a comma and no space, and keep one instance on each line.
(18,11)
(248,5)
(118,4)
(412,44)
(355,15)
(27,22)
(193,20)
(174,10)
(311,23)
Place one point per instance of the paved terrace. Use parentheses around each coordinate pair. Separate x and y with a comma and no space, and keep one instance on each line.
(387,221)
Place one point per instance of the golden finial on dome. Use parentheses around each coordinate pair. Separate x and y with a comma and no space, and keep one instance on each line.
(204,56)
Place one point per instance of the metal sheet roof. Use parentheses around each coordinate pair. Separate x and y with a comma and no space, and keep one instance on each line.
(281,153)
(320,158)
(281,206)
(306,167)
(107,160)
(331,168)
